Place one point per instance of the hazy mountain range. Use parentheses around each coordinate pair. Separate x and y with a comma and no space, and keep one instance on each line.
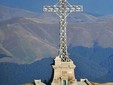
(28,41)
(27,37)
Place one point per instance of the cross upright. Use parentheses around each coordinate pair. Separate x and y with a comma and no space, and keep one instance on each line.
(63,9)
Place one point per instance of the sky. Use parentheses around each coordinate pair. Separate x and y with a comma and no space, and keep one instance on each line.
(100,7)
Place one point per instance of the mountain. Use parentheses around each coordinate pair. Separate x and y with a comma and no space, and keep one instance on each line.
(16,74)
(26,40)
(8,13)
(29,41)
(28,37)
(87,66)
(92,63)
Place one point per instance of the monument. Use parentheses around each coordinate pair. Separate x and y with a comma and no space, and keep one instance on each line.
(64,66)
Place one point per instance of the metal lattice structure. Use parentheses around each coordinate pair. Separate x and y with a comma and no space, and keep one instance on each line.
(63,9)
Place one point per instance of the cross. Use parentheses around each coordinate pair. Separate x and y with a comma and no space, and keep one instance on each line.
(63,9)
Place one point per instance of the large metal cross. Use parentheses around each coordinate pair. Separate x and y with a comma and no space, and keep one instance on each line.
(63,9)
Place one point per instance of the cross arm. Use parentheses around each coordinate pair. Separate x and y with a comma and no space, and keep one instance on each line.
(51,8)
(74,8)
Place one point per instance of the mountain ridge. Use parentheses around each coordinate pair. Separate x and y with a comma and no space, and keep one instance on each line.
(42,69)
(38,36)
(30,42)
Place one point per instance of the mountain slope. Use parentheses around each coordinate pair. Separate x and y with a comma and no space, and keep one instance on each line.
(86,67)
(8,13)
(28,39)
(33,37)
(25,42)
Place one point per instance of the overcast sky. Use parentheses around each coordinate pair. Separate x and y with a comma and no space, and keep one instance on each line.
(100,7)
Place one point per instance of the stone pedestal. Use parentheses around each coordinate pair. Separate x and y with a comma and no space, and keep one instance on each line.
(63,73)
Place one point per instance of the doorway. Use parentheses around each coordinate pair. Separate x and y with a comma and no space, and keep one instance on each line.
(64,82)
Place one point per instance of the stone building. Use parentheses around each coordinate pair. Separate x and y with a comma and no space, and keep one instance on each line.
(64,74)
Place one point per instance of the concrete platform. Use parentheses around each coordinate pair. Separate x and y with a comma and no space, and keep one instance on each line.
(81,83)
